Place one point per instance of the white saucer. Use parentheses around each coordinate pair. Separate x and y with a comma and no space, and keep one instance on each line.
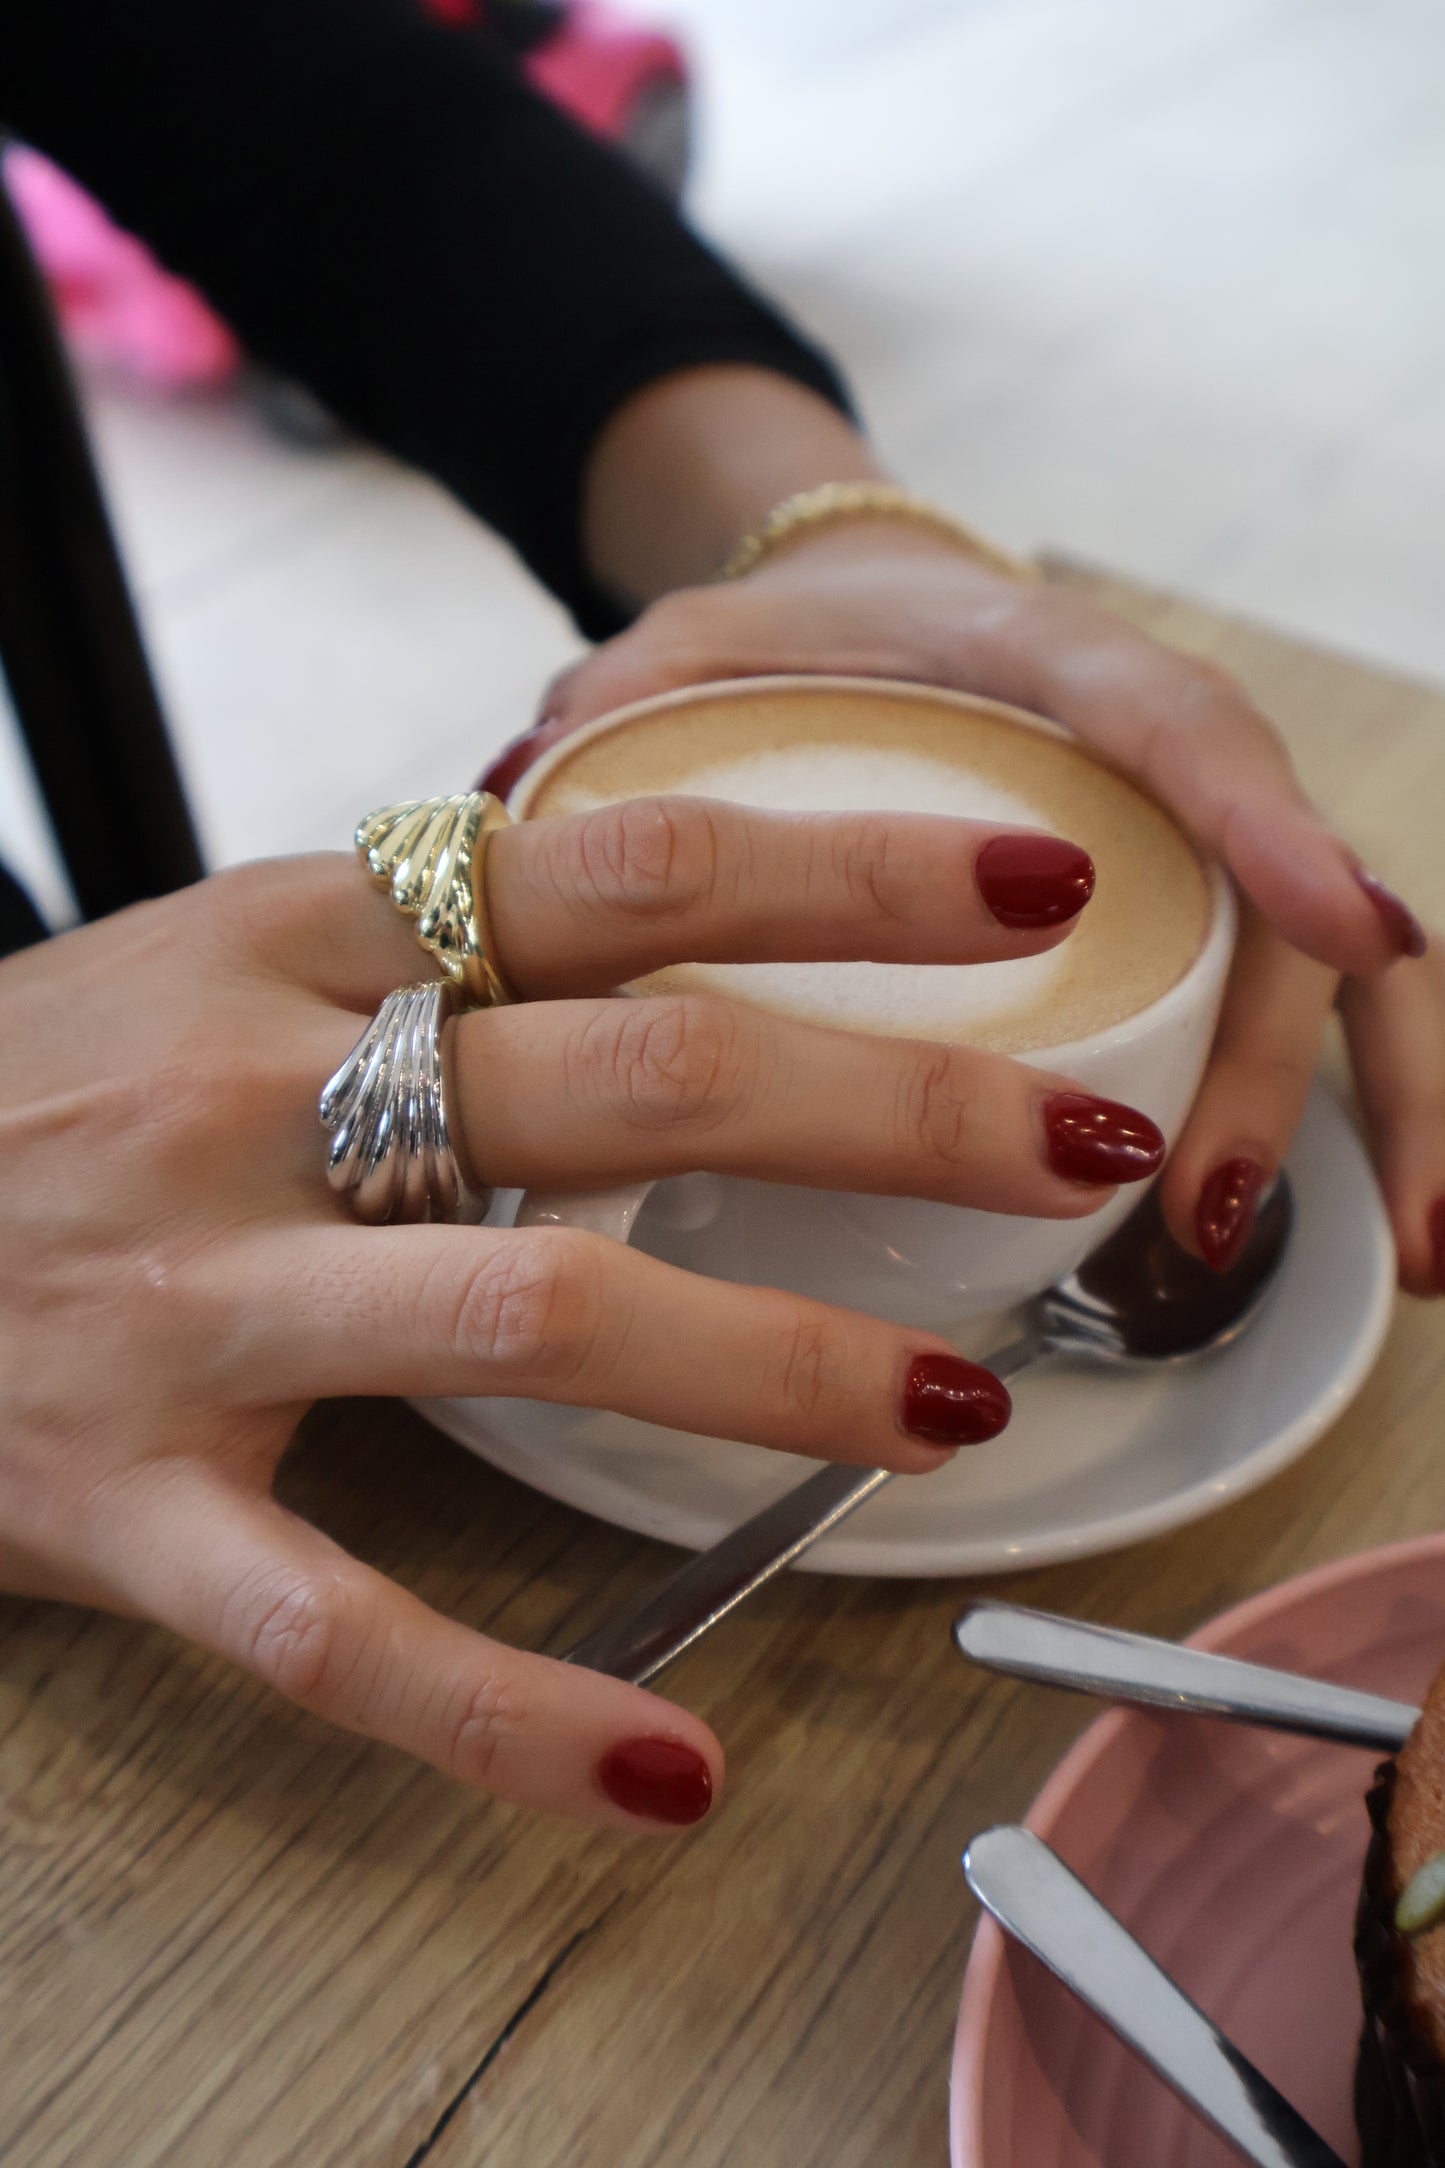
(1092,1460)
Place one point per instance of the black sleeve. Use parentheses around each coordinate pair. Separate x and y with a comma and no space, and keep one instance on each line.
(381,207)
(20,923)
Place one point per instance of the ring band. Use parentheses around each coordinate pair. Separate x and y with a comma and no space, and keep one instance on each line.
(431,853)
(391,1151)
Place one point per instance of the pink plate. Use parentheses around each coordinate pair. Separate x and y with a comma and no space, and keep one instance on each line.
(1234,1856)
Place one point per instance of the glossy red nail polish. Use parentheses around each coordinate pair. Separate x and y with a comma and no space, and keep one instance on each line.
(1401,924)
(1437,1241)
(1225,1212)
(952,1402)
(1032,880)
(661,1779)
(1098,1140)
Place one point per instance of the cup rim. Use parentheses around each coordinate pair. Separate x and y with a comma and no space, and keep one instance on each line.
(1214,952)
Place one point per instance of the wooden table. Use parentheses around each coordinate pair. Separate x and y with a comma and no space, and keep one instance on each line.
(232,1938)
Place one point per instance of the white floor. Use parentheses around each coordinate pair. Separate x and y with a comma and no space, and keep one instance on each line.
(1159,281)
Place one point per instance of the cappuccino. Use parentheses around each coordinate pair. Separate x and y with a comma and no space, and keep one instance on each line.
(833,745)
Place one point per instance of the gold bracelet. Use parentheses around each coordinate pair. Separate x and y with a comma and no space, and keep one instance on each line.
(835,501)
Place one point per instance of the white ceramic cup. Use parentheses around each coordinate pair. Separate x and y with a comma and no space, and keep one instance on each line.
(903,1258)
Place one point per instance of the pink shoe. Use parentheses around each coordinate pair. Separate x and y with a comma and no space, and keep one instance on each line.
(120,310)
(626,82)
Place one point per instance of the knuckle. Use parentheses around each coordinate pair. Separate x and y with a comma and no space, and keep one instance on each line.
(533,1307)
(1204,697)
(650,857)
(254,909)
(154,1131)
(161,1103)
(298,1627)
(200,1074)
(664,1062)
(488,1716)
(191,1121)
(1209,678)
(1270,1081)
(934,1111)
(802,1375)
(865,866)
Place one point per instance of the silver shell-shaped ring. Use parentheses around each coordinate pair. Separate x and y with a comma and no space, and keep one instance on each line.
(391,1153)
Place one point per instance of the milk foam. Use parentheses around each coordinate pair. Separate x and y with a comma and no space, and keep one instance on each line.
(911,1000)
(830,747)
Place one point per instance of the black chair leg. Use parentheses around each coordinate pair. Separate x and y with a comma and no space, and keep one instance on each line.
(71,648)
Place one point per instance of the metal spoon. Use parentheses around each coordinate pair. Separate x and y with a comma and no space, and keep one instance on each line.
(1120,1666)
(1138,1298)
(1035,1898)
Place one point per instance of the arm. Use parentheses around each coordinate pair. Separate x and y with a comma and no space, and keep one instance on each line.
(694,461)
(383,208)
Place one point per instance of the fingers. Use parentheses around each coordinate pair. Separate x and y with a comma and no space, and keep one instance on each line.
(242,1576)
(1260,1067)
(1193,737)
(670,644)
(587,1094)
(580,905)
(553,1314)
(518,755)
(1395,1027)
(1174,721)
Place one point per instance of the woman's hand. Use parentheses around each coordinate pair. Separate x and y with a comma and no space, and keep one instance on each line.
(881,599)
(1395,1030)
(177,1281)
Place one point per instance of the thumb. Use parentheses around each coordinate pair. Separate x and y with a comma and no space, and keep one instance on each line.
(689,637)
(241,1575)
(623,669)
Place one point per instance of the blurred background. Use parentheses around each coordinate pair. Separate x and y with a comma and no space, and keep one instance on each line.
(1162,287)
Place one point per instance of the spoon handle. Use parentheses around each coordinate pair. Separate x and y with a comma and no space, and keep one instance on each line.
(1121,1666)
(1035,1898)
(644,1642)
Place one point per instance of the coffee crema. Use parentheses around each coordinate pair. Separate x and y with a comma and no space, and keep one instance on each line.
(828,748)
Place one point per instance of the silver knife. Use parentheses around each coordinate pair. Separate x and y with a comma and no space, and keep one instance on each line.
(716,1581)
(1035,1898)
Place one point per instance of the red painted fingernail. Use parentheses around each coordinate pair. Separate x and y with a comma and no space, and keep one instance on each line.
(1032,880)
(1098,1140)
(952,1402)
(659,1778)
(1437,1241)
(1225,1212)
(1401,924)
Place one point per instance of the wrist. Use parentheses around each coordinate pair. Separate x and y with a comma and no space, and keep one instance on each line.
(694,462)
(849,504)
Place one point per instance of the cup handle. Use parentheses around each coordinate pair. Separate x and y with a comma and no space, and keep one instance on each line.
(599,1211)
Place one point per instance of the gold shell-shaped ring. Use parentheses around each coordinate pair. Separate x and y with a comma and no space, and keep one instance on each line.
(431,853)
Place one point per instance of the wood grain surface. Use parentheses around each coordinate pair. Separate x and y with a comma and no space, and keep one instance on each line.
(231,1936)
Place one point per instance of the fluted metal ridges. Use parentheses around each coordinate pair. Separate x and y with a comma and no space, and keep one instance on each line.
(422,850)
(390,1150)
